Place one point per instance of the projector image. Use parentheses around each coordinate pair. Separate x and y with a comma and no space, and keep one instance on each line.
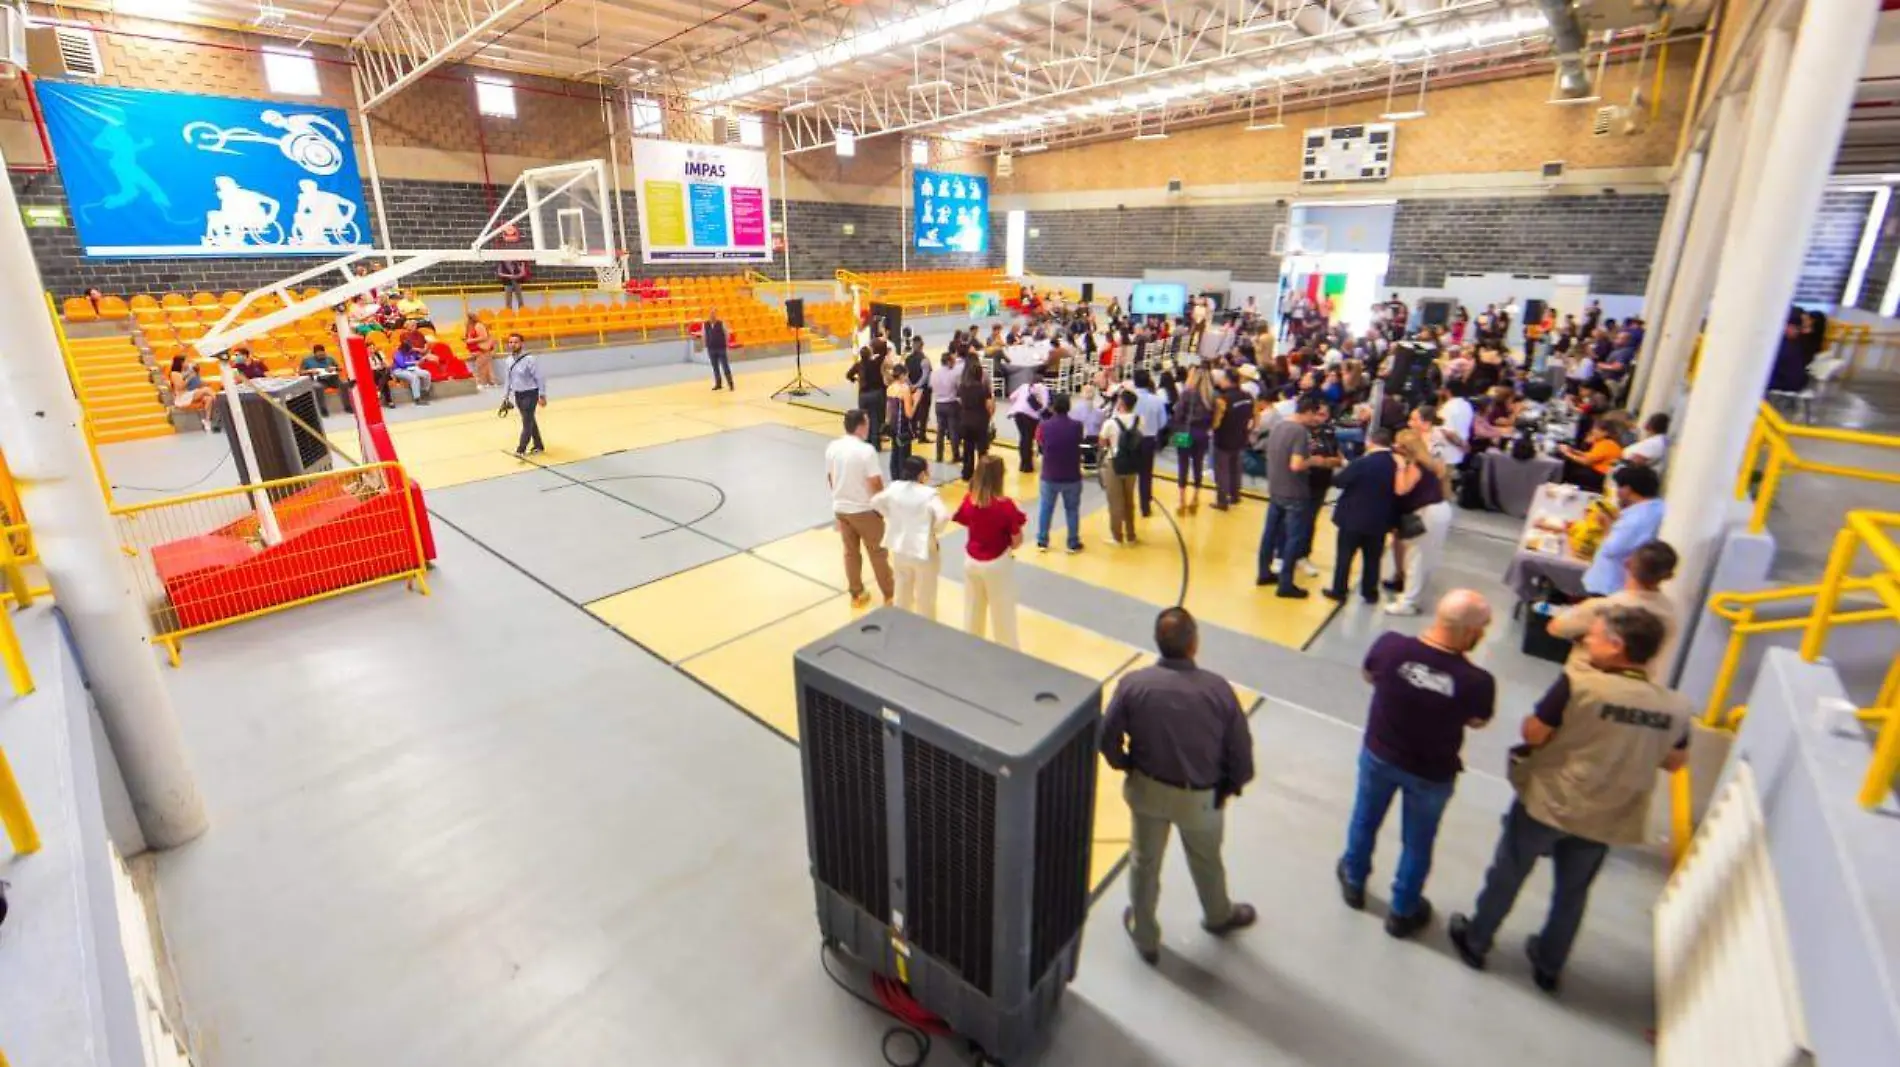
(950,810)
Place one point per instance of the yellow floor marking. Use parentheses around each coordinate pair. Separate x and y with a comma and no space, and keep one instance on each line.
(690,612)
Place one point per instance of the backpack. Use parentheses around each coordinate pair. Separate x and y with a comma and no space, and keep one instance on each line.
(1127,458)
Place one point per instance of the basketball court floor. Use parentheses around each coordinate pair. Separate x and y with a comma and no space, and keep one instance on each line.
(551,813)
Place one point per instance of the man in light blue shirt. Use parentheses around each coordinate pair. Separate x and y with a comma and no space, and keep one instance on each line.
(529,388)
(1151,413)
(1637,490)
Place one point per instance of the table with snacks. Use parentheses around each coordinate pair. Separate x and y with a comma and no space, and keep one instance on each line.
(1543,548)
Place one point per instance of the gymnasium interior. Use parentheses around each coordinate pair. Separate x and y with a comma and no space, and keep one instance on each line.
(344,728)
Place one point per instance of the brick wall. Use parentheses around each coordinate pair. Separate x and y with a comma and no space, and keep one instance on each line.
(1498,126)
(1832,242)
(1610,238)
(1122,242)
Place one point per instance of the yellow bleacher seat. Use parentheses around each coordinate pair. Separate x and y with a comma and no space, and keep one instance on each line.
(203,300)
(79,309)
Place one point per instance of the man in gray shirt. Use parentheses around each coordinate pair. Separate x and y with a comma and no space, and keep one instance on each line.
(1179,734)
(1291,506)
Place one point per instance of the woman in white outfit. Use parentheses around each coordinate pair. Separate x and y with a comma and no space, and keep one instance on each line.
(989,565)
(913,516)
(1421,484)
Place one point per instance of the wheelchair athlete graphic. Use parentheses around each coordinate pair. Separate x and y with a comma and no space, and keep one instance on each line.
(310,141)
(241,218)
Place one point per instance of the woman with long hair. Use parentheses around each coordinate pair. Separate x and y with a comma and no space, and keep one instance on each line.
(975,407)
(481,348)
(906,424)
(1421,484)
(989,566)
(189,392)
(1192,427)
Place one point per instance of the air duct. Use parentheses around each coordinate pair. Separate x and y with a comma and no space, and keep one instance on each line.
(1566,38)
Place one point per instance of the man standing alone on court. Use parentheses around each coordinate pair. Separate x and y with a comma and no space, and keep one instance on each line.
(1584,777)
(855,476)
(713,333)
(1179,734)
(1424,694)
(530,390)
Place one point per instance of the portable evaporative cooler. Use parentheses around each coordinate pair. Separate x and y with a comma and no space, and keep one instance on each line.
(949,808)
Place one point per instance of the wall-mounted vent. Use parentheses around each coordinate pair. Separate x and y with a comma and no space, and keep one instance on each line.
(63,51)
(1553,170)
(1604,122)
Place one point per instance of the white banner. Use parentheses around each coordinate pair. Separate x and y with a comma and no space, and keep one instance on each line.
(702,203)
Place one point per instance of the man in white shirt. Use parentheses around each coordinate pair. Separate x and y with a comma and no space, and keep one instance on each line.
(855,476)
(1649,452)
(1455,415)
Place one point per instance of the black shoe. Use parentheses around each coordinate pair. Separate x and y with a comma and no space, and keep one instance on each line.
(1404,926)
(1392,586)
(1333,595)
(1293,593)
(717,387)
(1353,895)
(1459,931)
(536,450)
(1546,980)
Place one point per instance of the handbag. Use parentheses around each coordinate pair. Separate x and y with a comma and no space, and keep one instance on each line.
(1411,526)
(507,406)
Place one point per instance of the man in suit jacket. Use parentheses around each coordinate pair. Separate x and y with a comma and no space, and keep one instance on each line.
(713,333)
(1367,508)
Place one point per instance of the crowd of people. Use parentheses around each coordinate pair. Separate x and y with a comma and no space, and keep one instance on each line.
(1392,459)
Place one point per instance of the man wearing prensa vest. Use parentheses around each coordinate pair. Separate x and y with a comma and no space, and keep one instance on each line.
(1584,776)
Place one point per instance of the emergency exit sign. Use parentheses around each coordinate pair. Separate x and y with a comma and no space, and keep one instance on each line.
(41,217)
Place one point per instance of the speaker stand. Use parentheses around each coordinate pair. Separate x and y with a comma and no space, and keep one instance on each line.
(799,385)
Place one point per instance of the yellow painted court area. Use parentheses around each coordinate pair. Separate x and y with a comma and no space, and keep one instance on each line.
(745,654)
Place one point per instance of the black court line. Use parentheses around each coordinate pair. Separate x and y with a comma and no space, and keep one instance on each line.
(687,525)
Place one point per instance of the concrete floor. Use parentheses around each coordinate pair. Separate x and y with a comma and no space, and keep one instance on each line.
(484,827)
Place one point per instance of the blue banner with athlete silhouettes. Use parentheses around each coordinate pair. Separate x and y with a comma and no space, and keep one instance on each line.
(175,174)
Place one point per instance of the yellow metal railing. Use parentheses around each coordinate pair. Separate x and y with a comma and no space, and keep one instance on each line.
(1869,531)
(13,814)
(852,278)
(1771,455)
(207,560)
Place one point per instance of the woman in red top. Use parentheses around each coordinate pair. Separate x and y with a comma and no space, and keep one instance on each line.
(989,565)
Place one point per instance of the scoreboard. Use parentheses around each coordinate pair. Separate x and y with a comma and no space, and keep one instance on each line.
(1360,153)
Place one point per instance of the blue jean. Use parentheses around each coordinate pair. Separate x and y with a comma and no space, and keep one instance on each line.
(1424,806)
(1288,535)
(1071,494)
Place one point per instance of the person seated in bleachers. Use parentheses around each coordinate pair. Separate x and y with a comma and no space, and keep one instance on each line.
(362,315)
(388,316)
(189,392)
(321,368)
(414,311)
(247,365)
(408,366)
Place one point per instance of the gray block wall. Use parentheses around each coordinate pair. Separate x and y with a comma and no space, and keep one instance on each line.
(1612,238)
(1831,247)
(1125,241)
(448,215)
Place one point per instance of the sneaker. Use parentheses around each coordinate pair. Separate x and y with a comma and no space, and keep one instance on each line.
(1404,926)
(536,450)
(1295,593)
(1042,546)
(1074,548)
(1459,931)
(1353,895)
(1546,980)
(1309,568)
(1400,607)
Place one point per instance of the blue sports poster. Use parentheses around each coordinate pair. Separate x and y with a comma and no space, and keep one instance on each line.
(174,174)
(949,212)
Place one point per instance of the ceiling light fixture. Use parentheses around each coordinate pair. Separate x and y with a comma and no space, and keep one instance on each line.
(1260,26)
(1039,146)
(794,108)
(924,87)
(917,28)
(1162,136)
(847,142)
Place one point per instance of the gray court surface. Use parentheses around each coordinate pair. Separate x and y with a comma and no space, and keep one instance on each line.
(605,525)
(481,827)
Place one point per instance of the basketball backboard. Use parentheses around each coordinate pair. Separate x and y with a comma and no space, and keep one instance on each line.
(561,214)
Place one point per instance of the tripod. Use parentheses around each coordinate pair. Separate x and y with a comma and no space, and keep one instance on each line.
(799,385)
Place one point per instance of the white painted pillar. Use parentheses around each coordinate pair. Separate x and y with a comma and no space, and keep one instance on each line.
(79,550)
(375,176)
(1662,267)
(1680,320)
(1757,281)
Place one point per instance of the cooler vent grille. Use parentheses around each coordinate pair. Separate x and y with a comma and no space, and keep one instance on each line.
(950,846)
(1065,794)
(846,748)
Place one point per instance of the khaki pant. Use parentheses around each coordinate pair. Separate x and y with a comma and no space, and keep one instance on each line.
(1157,809)
(989,589)
(865,528)
(1121,502)
(917,584)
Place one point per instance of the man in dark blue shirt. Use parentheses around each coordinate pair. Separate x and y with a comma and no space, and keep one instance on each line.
(1181,737)
(1368,506)
(713,333)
